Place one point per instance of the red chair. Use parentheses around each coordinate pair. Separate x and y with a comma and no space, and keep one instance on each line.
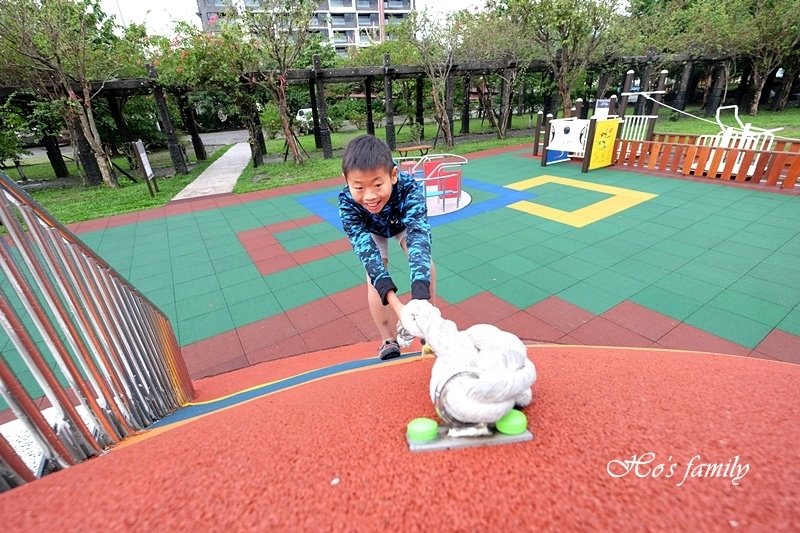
(442,177)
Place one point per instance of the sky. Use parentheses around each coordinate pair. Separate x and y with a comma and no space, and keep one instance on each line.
(160,15)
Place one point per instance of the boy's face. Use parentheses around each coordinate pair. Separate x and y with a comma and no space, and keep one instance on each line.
(371,188)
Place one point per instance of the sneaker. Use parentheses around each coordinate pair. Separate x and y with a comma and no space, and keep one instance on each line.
(389,350)
(404,338)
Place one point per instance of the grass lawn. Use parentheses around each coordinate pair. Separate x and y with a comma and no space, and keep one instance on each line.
(76,203)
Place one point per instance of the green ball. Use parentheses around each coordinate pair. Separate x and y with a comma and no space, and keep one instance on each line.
(513,422)
(422,430)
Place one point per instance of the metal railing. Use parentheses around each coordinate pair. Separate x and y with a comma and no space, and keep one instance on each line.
(102,355)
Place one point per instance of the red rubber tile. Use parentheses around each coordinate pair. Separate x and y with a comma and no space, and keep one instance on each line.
(488,307)
(294,345)
(641,320)
(340,332)
(207,354)
(599,331)
(686,337)
(529,328)
(265,332)
(331,455)
(560,314)
(351,300)
(310,316)
(781,346)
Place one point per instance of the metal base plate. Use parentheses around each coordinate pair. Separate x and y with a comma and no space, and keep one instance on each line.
(445,442)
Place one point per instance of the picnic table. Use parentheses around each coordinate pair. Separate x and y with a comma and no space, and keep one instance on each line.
(423,149)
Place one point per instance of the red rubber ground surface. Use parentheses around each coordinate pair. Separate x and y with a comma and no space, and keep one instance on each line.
(274,462)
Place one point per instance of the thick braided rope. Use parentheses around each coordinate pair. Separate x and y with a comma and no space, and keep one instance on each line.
(479,374)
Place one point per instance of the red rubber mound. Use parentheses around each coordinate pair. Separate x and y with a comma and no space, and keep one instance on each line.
(331,455)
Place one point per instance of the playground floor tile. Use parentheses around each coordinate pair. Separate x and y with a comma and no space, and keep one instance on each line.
(781,345)
(640,320)
(267,275)
(601,331)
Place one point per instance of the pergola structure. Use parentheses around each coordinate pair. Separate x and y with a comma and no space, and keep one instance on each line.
(317,77)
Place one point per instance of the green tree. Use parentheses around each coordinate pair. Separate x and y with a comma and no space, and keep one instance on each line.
(277,32)
(568,32)
(58,47)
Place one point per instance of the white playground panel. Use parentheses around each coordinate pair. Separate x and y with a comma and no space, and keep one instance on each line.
(745,137)
(634,127)
(569,135)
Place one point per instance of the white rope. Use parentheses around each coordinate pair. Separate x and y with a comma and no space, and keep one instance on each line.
(705,119)
(480,374)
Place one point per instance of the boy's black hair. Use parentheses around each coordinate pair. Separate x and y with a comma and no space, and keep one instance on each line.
(366,152)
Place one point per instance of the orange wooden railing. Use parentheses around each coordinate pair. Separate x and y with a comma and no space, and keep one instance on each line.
(779,169)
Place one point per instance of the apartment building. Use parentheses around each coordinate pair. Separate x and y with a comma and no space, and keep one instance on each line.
(344,23)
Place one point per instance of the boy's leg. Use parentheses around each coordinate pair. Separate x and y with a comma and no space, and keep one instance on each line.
(379,312)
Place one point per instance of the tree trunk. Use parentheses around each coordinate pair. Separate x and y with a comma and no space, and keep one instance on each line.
(89,129)
(54,155)
(758,85)
(782,96)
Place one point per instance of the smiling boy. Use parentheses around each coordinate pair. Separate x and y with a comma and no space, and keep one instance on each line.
(376,205)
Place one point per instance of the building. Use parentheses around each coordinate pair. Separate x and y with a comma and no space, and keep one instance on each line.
(344,23)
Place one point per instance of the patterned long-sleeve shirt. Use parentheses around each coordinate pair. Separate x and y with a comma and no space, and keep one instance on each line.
(405,210)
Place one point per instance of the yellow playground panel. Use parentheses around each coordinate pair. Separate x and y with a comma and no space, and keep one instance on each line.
(620,200)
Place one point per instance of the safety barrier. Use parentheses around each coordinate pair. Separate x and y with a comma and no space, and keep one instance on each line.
(81,340)
(779,169)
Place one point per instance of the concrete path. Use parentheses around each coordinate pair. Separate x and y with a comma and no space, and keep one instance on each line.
(220,177)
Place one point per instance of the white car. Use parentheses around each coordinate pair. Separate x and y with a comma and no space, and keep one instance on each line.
(304,119)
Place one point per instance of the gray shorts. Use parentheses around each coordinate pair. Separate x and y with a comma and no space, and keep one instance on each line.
(383,243)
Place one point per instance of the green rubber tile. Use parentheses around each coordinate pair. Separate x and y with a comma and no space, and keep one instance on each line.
(190,271)
(564,245)
(585,235)
(707,274)
(287,279)
(254,288)
(180,221)
(161,297)
(696,238)
(515,265)
(791,322)
(298,242)
(224,249)
(338,281)
(638,270)
(574,267)
(746,251)
(660,259)
(188,247)
(768,313)
(201,304)
(617,284)
(679,249)
(298,295)
(599,255)
(457,289)
(550,280)
(224,240)
(485,251)
(233,276)
(532,236)
(744,211)
(196,287)
(768,290)
(729,325)
(688,287)
(150,282)
(717,259)
(486,276)
(254,309)
(459,261)
(204,326)
(666,302)
(509,242)
(590,297)
(639,237)
(520,293)
(725,221)
(327,265)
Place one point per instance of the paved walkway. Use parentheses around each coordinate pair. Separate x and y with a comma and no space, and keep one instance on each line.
(220,176)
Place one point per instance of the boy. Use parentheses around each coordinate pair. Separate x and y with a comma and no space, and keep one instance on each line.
(374,206)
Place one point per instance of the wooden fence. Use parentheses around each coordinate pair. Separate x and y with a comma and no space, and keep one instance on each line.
(779,168)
